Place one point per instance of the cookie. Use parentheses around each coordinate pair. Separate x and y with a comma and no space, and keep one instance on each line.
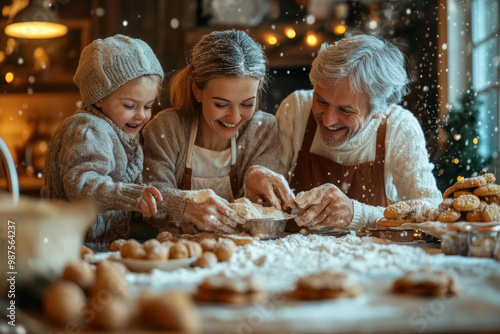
(426,283)
(472,182)
(466,203)
(487,190)
(491,213)
(432,214)
(397,211)
(446,204)
(384,224)
(492,199)
(238,291)
(326,285)
(462,192)
(449,216)
(477,214)
(489,177)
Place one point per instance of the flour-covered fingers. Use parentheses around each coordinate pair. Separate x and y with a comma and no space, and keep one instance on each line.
(228,215)
(307,218)
(287,196)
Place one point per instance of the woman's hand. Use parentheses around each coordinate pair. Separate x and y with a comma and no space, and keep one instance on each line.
(263,184)
(210,212)
(150,196)
(327,206)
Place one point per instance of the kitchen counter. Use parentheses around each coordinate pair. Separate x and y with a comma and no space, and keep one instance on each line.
(375,262)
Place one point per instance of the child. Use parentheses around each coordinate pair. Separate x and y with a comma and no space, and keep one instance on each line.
(198,152)
(95,154)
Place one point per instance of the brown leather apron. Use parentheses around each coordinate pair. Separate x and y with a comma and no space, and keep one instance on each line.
(363,182)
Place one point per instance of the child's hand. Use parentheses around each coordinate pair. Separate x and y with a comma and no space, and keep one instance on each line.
(150,196)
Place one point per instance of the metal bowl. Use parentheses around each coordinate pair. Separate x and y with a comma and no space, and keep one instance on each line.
(266,228)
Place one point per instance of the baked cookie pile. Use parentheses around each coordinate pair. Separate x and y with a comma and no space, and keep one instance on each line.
(473,199)
(410,211)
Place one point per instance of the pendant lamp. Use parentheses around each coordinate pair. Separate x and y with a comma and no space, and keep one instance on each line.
(35,22)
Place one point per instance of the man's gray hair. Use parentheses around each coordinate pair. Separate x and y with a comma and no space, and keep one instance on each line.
(374,66)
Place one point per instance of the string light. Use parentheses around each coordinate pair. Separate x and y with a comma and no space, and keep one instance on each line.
(456,161)
(311,39)
(290,33)
(339,29)
(272,40)
(9,76)
(460,178)
(475,141)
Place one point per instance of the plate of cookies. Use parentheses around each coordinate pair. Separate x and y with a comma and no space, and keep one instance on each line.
(473,201)
(153,254)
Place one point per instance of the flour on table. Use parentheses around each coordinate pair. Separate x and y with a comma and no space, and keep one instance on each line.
(245,208)
(281,262)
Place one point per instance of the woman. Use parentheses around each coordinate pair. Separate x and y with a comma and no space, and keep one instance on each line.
(198,152)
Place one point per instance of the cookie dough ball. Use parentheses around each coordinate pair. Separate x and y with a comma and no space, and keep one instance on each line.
(81,273)
(207,259)
(194,249)
(110,314)
(116,245)
(167,244)
(224,250)
(165,236)
(179,251)
(208,245)
(132,249)
(173,311)
(64,303)
(155,250)
(109,281)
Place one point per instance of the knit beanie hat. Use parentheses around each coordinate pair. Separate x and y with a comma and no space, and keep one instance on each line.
(107,64)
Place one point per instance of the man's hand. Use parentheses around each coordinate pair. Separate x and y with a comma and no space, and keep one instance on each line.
(263,184)
(326,206)
(150,196)
(210,212)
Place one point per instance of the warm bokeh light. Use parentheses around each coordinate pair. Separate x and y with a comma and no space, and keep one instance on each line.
(457,136)
(9,76)
(475,141)
(311,39)
(456,161)
(43,146)
(2,56)
(36,30)
(460,178)
(272,40)
(339,29)
(290,32)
